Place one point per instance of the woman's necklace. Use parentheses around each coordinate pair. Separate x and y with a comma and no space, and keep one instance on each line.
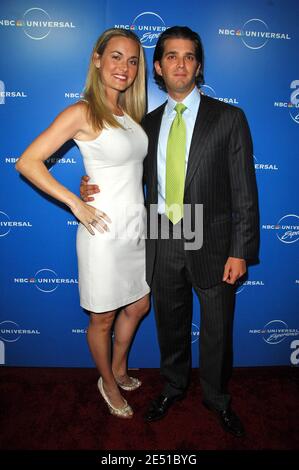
(124,121)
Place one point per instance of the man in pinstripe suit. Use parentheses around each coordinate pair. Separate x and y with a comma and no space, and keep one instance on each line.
(220,176)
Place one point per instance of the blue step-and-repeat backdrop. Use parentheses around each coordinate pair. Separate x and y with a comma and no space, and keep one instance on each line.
(251,49)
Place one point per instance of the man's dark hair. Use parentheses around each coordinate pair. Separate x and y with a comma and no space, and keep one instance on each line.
(179,32)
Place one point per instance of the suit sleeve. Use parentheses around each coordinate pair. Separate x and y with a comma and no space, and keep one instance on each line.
(245,214)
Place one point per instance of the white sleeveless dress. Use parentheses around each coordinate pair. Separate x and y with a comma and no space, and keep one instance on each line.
(112,264)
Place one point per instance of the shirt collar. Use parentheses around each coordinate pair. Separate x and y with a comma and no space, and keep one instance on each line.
(192,101)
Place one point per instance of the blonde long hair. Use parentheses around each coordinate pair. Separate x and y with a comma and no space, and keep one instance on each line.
(132,100)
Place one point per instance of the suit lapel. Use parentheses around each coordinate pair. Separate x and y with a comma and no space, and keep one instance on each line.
(154,130)
(202,129)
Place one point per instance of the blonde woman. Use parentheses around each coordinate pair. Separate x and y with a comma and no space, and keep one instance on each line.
(110,242)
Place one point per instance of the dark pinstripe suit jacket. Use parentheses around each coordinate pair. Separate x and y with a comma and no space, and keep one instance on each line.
(221,176)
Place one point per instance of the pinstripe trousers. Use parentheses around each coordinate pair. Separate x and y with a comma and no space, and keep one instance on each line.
(173,301)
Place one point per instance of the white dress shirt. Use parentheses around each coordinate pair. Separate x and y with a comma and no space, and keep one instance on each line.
(192,102)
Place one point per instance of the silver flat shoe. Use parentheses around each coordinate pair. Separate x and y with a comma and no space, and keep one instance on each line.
(129,386)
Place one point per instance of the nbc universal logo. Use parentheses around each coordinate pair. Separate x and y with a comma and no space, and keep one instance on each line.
(252,283)
(148,26)
(53,160)
(264,166)
(6,224)
(73,95)
(36,23)
(50,162)
(10,332)
(195,333)
(10,93)
(79,331)
(46,280)
(254,34)
(210,91)
(293,104)
(277,331)
(286,229)
(72,223)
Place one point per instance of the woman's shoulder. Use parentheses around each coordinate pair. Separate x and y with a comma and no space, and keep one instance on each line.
(80,106)
(73,119)
(75,112)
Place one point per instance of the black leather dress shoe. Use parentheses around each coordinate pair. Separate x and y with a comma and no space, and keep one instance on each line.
(160,406)
(229,421)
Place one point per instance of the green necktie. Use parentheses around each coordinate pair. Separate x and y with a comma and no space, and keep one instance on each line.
(175,166)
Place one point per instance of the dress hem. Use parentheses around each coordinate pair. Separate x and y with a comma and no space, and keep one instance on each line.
(117,305)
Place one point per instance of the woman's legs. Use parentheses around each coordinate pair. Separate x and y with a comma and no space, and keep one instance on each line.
(124,329)
(99,341)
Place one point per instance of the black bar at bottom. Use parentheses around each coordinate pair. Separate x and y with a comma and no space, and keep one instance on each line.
(138,458)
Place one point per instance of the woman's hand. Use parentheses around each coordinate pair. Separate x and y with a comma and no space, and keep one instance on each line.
(91,217)
(87,189)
